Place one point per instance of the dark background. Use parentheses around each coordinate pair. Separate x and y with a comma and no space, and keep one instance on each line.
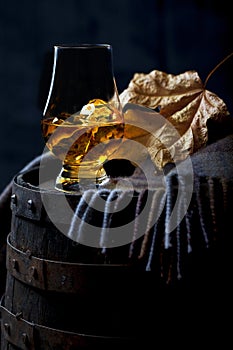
(173,36)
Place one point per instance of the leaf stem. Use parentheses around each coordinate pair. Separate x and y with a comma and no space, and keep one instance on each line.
(215,68)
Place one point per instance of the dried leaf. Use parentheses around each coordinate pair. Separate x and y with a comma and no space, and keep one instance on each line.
(185,107)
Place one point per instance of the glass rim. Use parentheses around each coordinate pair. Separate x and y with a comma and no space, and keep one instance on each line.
(82,46)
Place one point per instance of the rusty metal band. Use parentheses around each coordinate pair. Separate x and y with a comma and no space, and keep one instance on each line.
(27,335)
(26,201)
(17,331)
(59,276)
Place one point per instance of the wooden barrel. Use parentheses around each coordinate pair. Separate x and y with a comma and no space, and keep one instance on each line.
(60,294)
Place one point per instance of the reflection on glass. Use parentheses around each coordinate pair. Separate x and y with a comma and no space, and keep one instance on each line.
(82,122)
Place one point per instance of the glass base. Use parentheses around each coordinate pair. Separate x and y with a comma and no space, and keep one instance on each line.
(73,178)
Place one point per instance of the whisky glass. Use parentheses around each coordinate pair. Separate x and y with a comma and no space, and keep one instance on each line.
(82,122)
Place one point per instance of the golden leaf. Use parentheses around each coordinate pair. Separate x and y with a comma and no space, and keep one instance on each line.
(184,109)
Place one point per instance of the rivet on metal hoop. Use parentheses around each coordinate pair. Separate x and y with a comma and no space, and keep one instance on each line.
(7,328)
(33,273)
(13,199)
(30,204)
(15,264)
(25,338)
(63,280)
